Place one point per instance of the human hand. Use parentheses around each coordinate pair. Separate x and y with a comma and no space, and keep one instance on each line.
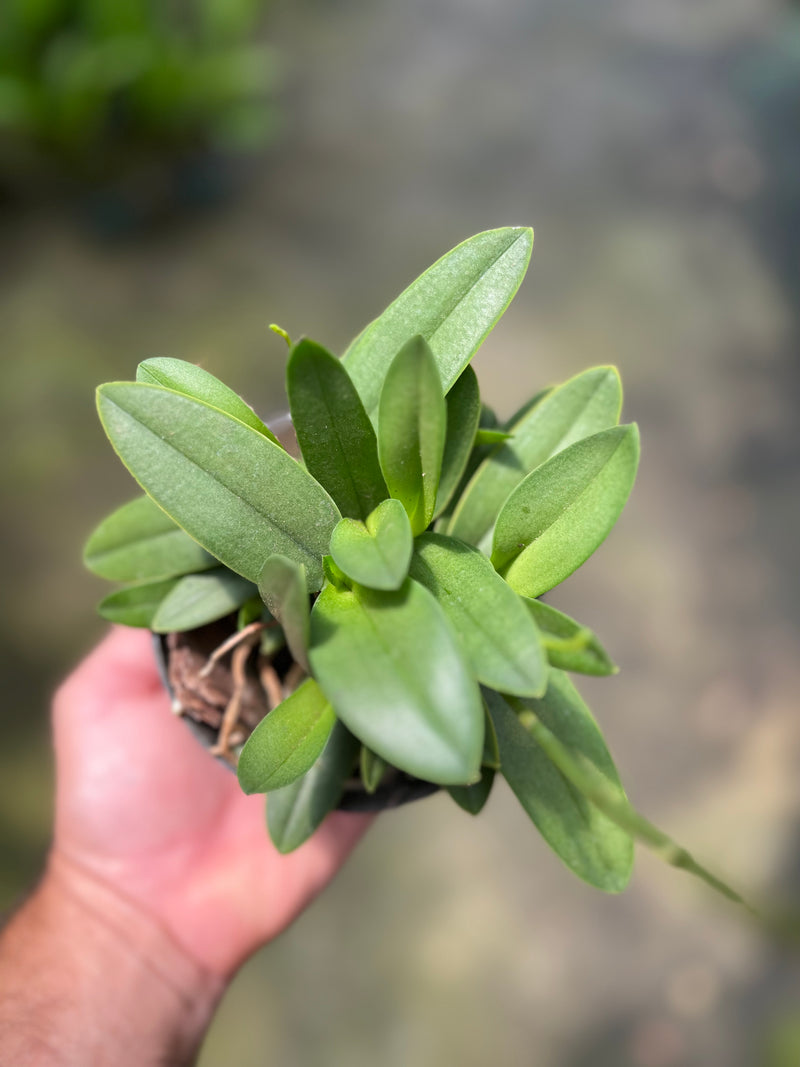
(144,810)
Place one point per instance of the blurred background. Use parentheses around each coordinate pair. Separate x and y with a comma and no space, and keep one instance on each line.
(173,178)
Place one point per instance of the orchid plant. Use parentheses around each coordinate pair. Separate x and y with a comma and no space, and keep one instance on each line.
(398,563)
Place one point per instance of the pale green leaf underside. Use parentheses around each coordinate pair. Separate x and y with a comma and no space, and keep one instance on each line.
(376,553)
(582,406)
(396,676)
(497,631)
(454,305)
(138,542)
(463,412)
(297,810)
(136,605)
(590,844)
(333,430)
(555,519)
(233,490)
(411,431)
(287,742)
(569,646)
(199,599)
(193,381)
(283,588)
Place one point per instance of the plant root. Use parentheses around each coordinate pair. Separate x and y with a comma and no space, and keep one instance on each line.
(243,635)
(241,653)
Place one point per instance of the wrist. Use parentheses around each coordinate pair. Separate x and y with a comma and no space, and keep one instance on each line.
(86,976)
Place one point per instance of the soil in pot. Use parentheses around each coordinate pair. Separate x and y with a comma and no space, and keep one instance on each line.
(223,685)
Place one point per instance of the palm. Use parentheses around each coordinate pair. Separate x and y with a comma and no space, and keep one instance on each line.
(143,808)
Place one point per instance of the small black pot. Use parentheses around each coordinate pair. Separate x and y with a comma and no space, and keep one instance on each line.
(396,789)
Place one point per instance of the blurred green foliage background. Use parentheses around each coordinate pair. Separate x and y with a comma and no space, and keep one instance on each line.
(655,148)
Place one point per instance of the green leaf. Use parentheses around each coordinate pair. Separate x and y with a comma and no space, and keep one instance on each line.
(593,846)
(488,420)
(472,798)
(525,409)
(282,585)
(376,554)
(193,381)
(569,646)
(333,430)
(453,305)
(492,437)
(288,741)
(372,769)
(136,605)
(138,542)
(334,574)
(590,781)
(295,811)
(398,679)
(251,611)
(491,748)
(560,513)
(413,423)
(498,633)
(199,599)
(235,492)
(580,407)
(463,412)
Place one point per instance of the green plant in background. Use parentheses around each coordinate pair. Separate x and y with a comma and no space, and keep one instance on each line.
(96,85)
(401,561)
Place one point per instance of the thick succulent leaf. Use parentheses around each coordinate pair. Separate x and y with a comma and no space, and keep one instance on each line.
(454,305)
(333,430)
(463,412)
(498,633)
(138,543)
(593,846)
(232,489)
(199,599)
(295,811)
(136,605)
(283,588)
(411,433)
(372,769)
(399,680)
(594,784)
(569,646)
(288,741)
(472,798)
(193,381)
(560,513)
(583,406)
(376,553)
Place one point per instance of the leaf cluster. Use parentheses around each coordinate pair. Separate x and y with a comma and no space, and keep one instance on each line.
(86,81)
(403,557)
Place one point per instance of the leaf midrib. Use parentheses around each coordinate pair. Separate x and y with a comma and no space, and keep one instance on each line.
(497,647)
(211,475)
(334,422)
(149,541)
(569,507)
(473,284)
(300,741)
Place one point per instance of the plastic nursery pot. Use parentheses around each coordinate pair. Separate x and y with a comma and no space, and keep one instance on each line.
(201,702)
